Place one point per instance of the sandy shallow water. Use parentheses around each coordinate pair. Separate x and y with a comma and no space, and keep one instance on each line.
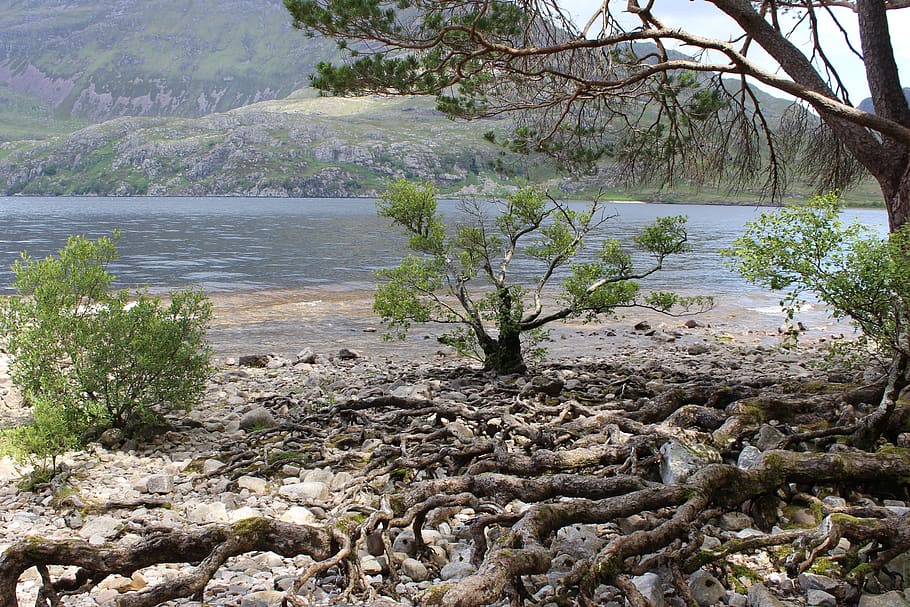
(284,322)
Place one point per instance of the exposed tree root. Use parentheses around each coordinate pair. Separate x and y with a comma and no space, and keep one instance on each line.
(520,466)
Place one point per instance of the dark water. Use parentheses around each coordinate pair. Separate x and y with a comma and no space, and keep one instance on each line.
(246,244)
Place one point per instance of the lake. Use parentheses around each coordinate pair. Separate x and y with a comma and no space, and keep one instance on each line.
(252,244)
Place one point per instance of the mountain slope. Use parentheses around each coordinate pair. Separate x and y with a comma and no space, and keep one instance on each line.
(300,146)
(99,60)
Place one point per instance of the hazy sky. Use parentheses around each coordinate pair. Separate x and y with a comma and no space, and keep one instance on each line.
(700,17)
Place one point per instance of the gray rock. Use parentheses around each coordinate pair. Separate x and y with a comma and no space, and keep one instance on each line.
(678,462)
(414,569)
(347,354)
(735,521)
(456,570)
(578,541)
(309,491)
(812,581)
(760,596)
(306,357)
(105,527)
(768,437)
(160,484)
(651,587)
(889,599)
(318,475)
(705,588)
(263,598)
(835,501)
(899,568)
(111,438)
(820,598)
(749,458)
(258,418)
(736,599)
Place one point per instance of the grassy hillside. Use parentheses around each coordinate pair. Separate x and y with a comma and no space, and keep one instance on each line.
(303,145)
(99,60)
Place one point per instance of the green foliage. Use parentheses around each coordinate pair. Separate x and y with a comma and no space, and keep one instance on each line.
(498,322)
(88,357)
(809,250)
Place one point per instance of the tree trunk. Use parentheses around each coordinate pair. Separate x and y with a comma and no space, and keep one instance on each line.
(897,198)
(504,355)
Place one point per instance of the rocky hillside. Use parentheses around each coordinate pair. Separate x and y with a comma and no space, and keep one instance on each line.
(302,146)
(98,60)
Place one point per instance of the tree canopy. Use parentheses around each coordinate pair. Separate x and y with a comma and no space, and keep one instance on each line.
(614,85)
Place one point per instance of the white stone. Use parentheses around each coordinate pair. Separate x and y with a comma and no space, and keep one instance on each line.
(244,512)
(210,466)
(201,514)
(105,527)
(298,515)
(253,484)
(306,491)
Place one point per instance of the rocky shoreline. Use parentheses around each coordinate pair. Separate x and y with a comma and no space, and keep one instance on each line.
(247,453)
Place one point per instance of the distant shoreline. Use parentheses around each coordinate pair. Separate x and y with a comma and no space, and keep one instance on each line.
(744,203)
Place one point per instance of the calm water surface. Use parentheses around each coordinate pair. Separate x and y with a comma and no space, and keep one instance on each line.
(248,244)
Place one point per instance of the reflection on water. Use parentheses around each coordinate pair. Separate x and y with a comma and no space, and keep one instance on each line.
(248,244)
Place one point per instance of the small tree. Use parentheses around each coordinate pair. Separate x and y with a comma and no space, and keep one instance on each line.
(103,358)
(810,250)
(431,285)
(859,274)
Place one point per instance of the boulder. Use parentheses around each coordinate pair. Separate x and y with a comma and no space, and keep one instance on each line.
(160,484)
(254,360)
(414,569)
(820,598)
(258,419)
(760,596)
(347,354)
(705,588)
(263,598)
(253,484)
(678,462)
(308,491)
(894,598)
(749,458)
(651,587)
(201,514)
(306,357)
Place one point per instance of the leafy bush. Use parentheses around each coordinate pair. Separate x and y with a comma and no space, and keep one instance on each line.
(809,249)
(89,357)
(498,322)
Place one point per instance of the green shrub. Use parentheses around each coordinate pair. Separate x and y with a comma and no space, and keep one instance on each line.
(808,249)
(89,357)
